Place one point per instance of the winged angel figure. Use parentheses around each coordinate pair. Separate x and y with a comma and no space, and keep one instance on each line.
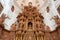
(12,8)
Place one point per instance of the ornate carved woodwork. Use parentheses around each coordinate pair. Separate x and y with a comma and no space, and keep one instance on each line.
(30,27)
(30,24)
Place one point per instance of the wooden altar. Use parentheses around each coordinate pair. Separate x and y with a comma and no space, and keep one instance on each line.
(30,27)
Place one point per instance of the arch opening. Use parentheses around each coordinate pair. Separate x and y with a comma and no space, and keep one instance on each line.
(30,24)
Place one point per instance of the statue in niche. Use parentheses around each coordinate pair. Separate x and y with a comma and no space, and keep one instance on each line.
(30,25)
